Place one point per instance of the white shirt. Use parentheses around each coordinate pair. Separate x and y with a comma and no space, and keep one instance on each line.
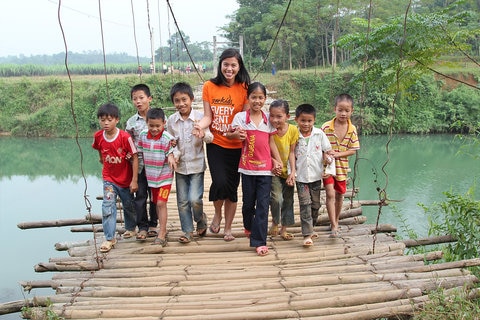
(309,155)
(189,150)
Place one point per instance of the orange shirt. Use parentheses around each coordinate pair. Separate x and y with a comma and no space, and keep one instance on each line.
(225,103)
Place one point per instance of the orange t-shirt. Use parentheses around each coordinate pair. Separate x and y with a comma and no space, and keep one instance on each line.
(225,103)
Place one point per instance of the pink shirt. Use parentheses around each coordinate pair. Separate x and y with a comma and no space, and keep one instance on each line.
(256,158)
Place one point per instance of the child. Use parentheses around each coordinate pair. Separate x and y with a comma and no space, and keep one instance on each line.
(119,175)
(343,137)
(253,128)
(141,98)
(190,159)
(281,203)
(312,143)
(156,145)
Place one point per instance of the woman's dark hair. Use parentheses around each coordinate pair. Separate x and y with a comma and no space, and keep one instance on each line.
(242,75)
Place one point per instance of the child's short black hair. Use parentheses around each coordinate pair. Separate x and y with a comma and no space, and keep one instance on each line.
(108,110)
(155,113)
(305,109)
(140,87)
(344,97)
(279,103)
(181,87)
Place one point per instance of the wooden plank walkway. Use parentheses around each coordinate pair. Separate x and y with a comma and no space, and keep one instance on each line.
(361,275)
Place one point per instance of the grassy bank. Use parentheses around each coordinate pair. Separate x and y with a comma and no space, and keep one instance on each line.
(44,106)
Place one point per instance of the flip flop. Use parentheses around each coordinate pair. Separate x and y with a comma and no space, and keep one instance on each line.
(184,239)
(262,250)
(228,237)
(159,241)
(201,232)
(307,242)
(152,234)
(214,228)
(129,234)
(108,245)
(142,235)
(287,236)
(273,231)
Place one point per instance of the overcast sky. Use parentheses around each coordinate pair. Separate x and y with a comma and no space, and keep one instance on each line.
(30,27)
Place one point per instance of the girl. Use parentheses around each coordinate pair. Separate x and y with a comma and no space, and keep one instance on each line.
(223,97)
(281,204)
(258,146)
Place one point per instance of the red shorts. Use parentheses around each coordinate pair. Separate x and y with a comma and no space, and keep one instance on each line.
(161,194)
(339,186)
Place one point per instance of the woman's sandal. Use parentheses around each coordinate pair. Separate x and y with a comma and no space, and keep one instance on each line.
(159,241)
(228,237)
(142,235)
(248,233)
(287,236)
(184,239)
(262,250)
(307,242)
(108,245)
(214,228)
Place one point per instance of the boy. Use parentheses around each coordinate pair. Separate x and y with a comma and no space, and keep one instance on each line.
(312,143)
(190,159)
(115,148)
(141,98)
(156,145)
(343,137)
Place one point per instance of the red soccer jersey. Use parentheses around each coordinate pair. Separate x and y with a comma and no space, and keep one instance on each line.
(116,168)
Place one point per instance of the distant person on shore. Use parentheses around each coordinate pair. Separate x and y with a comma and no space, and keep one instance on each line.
(156,146)
(139,71)
(164,69)
(190,158)
(283,185)
(343,137)
(274,69)
(259,158)
(223,97)
(309,153)
(115,148)
(146,222)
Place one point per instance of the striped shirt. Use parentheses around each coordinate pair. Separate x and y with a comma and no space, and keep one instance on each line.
(349,142)
(155,158)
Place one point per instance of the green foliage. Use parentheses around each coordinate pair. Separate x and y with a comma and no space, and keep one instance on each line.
(40,313)
(459,216)
(452,306)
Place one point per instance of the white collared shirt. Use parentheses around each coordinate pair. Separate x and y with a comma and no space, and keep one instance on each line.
(309,155)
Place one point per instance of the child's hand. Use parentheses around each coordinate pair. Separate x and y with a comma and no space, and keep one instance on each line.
(133,186)
(173,142)
(197,131)
(276,167)
(290,180)
(171,162)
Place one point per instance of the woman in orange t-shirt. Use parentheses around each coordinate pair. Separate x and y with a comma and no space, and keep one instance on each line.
(223,97)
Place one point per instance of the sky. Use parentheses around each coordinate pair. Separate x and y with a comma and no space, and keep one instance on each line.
(31,27)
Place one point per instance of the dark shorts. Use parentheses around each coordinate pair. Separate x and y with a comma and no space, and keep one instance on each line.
(223,165)
(339,186)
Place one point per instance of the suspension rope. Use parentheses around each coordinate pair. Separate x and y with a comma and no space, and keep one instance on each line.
(103,49)
(183,41)
(86,199)
(152,51)
(135,37)
(274,39)
(160,34)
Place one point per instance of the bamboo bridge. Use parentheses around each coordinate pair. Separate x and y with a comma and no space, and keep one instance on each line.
(363,274)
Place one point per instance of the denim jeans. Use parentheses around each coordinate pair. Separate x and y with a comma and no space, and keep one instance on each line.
(190,201)
(309,201)
(144,219)
(281,204)
(256,200)
(109,209)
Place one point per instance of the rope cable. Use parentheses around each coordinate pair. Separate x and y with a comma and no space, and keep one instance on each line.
(103,49)
(183,41)
(152,50)
(160,34)
(135,36)
(274,39)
